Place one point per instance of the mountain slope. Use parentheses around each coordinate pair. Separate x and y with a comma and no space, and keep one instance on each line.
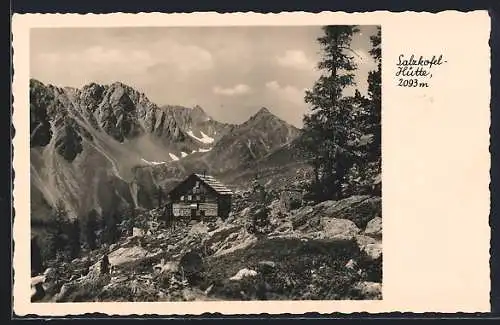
(87,143)
(104,147)
(250,141)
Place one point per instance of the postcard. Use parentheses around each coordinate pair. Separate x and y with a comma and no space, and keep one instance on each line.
(245,163)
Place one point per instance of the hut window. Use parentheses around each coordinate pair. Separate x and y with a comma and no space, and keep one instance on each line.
(182,197)
(190,197)
(197,184)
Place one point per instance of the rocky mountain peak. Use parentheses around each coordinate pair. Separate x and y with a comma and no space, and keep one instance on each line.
(265,119)
(198,114)
(264,111)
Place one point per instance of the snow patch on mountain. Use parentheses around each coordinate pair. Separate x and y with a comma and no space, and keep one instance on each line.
(204,139)
(183,154)
(174,157)
(153,162)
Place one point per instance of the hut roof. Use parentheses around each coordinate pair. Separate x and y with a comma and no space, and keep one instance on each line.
(214,184)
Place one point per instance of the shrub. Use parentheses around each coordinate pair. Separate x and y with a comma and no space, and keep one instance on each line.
(314,269)
(192,267)
(373,268)
(295,204)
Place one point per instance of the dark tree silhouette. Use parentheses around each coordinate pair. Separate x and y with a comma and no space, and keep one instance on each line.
(105,264)
(36,257)
(111,233)
(56,238)
(375,96)
(159,196)
(74,243)
(327,130)
(90,229)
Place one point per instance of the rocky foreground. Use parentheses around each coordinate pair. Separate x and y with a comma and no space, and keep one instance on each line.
(328,251)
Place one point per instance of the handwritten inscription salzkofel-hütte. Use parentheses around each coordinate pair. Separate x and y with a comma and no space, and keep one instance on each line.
(415,71)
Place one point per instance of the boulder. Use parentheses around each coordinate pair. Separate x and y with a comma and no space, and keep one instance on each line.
(369,290)
(242,274)
(218,236)
(232,237)
(339,228)
(198,229)
(364,240)
(374,227)
(301,217)
(270,264)
(374,251)
(39,279)
(137,232)
(266,266)
(50,272)
(245,212)
(372,247)
(351,265)
(63,292)
(168,267)
(37,292)
(359,209)
(126,255)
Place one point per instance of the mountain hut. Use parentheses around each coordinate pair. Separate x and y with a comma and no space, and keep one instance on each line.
(198,197)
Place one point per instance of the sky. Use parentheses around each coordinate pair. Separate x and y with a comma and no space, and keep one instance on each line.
(231,72)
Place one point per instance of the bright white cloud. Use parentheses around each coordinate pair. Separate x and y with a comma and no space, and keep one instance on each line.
(186,57)
(289,93)
(239,89)
(296,59)
(118,61)
(97,57)
(181,66)
(272,85)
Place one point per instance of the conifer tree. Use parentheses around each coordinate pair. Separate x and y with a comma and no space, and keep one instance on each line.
(90,229)
(159,196)
(374,95)
(327,129)
(57,239)
(111,233)
(36,257)
(74,244)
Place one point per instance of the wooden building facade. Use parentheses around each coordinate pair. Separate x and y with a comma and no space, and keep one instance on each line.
(199,197)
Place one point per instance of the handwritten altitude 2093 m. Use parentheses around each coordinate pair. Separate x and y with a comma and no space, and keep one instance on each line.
(412,71)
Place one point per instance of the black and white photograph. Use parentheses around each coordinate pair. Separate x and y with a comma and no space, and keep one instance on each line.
(205,163)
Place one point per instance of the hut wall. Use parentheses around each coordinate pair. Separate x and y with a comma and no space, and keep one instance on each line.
(224,205)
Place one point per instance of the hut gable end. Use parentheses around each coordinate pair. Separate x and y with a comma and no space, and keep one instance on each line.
(200,195)
(205,182)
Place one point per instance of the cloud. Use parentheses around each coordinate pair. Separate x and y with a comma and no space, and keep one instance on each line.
(214,67)
(122,60)
(97,56)
(295,59)
(237,90)
(290,93)
(274,85)
(186,57)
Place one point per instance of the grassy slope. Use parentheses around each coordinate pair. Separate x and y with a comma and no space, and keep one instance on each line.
(311,269)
